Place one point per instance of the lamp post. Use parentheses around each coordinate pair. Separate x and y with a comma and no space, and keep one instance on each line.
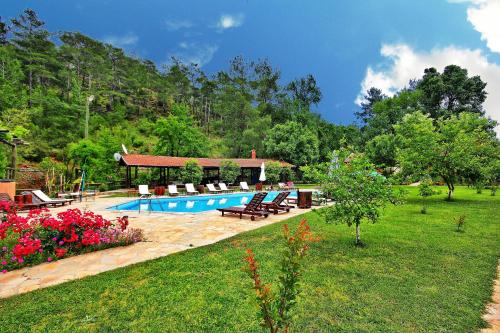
(87,115)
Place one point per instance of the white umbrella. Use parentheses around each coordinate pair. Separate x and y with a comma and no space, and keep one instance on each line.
(262,176)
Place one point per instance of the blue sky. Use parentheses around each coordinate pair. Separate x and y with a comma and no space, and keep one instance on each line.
(348,45)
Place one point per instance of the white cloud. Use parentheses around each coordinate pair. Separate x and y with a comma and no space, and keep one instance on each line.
(173,24)
(484,16)
(192,52)
(403,63)
(230,21)
(128,39)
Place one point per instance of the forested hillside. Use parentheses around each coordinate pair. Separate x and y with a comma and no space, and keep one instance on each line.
(48,79)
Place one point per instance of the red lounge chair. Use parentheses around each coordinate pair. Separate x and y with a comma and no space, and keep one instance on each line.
(276,205)
(6,197)
(252,208)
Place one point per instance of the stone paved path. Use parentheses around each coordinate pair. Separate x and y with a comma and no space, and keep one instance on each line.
(165,233)
(492,315)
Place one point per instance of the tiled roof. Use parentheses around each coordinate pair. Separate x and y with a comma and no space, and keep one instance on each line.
(170,161)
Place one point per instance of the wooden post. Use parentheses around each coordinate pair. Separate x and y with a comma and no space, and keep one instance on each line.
(14,161)
(168,176)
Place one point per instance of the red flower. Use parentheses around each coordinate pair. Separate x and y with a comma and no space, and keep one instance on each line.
(60,252)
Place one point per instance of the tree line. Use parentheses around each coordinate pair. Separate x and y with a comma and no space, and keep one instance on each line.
(46,80)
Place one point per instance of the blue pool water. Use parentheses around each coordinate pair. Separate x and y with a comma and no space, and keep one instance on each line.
(193,204)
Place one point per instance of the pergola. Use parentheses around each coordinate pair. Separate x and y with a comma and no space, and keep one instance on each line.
(165,163)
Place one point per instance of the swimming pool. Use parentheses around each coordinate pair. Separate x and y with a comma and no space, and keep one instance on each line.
(193,204)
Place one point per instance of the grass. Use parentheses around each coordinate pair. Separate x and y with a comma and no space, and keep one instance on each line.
(417,274)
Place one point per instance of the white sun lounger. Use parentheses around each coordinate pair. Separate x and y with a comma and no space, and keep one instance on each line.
(44,198)
(190,189)
(212,189)
(172,190)
(244,187)
(224,188)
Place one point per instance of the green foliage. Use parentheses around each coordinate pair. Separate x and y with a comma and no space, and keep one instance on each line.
(315,173)
(425,190)
(293,143)
(3,162)
(458,146)
(381,150)
(273,172)
(192,172)
(229,171)
(359,192)
(178,135)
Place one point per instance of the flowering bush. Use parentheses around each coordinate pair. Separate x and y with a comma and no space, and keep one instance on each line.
(275,306)
(40,237)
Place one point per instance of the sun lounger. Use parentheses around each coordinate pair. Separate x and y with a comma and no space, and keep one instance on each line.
(212,189)
(224,188)
(144,191)
(277,204)
(6,197)
(190,189)
(52,202)
(252,208)
(244,187)
(283,187)
(172,190)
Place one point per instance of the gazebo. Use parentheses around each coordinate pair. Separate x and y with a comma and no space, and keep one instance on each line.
(132,163)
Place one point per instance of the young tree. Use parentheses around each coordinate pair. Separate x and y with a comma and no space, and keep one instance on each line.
(192,172)
(359,192)
(425,190)
(229,171)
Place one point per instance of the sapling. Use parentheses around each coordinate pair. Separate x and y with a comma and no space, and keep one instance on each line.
(359,192)
(425,190)
(460,223)
(275,307)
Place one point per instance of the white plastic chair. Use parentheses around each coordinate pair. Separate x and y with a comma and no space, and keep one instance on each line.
(244,187)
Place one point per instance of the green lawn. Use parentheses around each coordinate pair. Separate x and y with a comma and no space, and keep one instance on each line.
(415,275)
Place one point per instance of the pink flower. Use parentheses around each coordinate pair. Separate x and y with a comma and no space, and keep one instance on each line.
(4,271)
(20,260)
(4,262)
(5,248)
(54,239)
(49,259)
(61,242)
(40,250)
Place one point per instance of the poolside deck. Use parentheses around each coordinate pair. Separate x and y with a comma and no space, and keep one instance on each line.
(165,233)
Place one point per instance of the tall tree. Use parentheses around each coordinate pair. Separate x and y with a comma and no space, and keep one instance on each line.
(372,96)
(305,90)
(35,49)
(452,92)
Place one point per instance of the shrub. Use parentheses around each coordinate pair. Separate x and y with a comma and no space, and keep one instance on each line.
(460,223)
(229,171)
(479,187)
(273,171)
(192,172)
(425,190)
(41,237)
(493,190)
(275,306)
